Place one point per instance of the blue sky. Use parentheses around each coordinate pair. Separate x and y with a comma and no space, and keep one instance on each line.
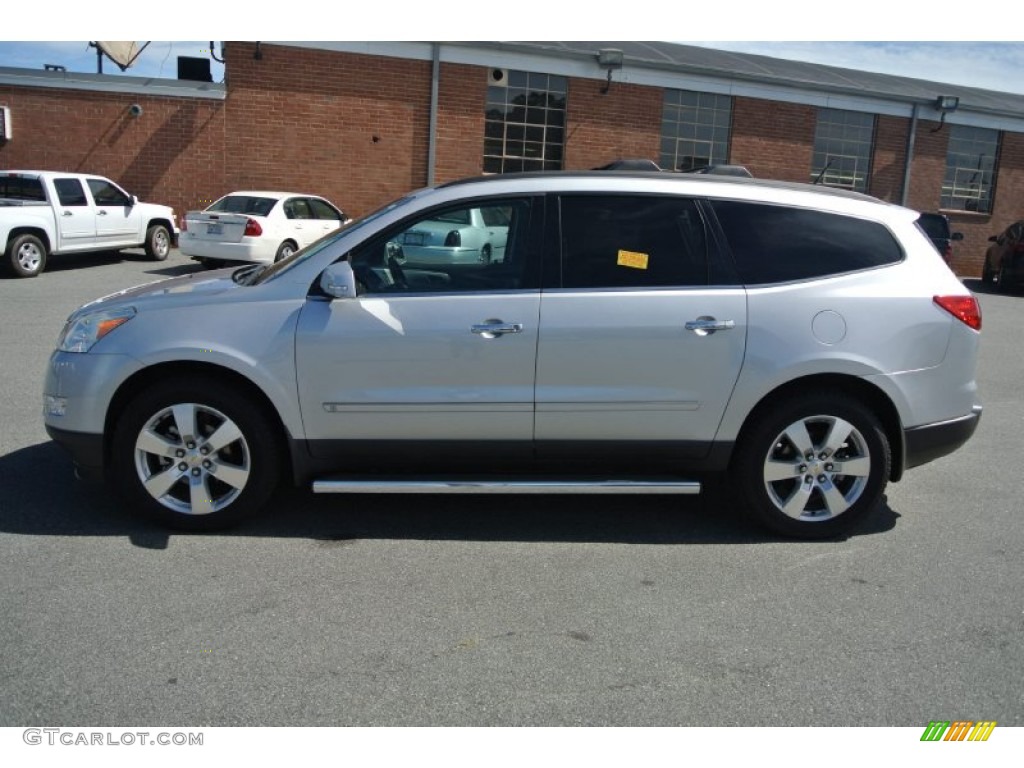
(994,65)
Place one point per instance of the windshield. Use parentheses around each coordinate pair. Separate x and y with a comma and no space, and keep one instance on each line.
(272,271)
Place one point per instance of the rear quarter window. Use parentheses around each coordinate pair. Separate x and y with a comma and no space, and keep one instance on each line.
(21,188)
(777,243)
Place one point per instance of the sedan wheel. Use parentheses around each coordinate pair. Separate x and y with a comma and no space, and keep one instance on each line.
(194,457)
(814,467)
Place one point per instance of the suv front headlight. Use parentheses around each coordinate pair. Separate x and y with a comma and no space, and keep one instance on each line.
(80,334)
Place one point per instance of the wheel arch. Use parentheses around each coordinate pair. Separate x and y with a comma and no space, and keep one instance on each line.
(138,381)
(17,232)
(853,386)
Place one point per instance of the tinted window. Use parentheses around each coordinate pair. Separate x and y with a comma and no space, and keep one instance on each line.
(444,251)
(70,192)
(105,193)
(623,241)
(297,208)
(21,188)
(322,210)
(253,206)
(775,243)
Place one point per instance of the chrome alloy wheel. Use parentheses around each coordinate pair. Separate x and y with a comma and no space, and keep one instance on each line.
(817,468)
(192,459)
(161,243)
(29,256)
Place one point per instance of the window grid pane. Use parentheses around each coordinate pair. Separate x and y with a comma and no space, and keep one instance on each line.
(524,123)
(970,169)
(694,129)
(842,149)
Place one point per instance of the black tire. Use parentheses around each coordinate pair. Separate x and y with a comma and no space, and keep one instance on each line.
(231,479)
(286,249)
(485,254)
(813,498)
(1002,282)
(987,275)
(26,256)
(158,242)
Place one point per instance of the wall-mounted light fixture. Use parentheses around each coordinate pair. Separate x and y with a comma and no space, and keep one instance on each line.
(945,104)
(135,110)
(609,59)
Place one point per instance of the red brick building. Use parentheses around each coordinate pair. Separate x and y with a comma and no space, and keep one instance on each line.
(362,123)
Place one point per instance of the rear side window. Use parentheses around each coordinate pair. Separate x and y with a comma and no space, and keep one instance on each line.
(21,188)
(777,244)
(70,192)
(623,241)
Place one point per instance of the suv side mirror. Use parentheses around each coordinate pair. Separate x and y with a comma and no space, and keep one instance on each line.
(339,281)
(993,239)
(133,200)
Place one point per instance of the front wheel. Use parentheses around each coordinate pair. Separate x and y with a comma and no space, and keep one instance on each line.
(813,466)
(158,242)
(988,276)
(194,455)
(27,256)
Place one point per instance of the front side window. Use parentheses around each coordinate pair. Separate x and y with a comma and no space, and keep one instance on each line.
(777,244)
(694,129)
(70,192)
(480,247)
(842,149)
(525,123)
(322,210)
(105,193)
(970,169)
(623,241)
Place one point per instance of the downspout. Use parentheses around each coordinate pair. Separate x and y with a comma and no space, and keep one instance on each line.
(435,76)
(910,156)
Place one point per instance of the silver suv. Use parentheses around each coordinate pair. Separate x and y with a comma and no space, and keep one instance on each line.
(639,331)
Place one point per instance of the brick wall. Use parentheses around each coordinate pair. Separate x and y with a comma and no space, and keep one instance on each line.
(601,127)
(172,153)
(351,127)
(461,100)
(887,166)
(773,140)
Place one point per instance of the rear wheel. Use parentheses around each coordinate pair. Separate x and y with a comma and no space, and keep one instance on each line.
(813,466)
(987,275)
(194,455)
(158,242)
(1004,280)
(27,256)
(286,249)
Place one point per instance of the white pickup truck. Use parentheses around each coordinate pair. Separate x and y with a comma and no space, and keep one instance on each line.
(44,212)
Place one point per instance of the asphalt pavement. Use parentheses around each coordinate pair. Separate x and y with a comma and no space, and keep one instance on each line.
(501,610)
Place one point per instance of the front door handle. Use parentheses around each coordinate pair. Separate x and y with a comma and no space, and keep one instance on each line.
(492,329)
(102,213)
(705,325)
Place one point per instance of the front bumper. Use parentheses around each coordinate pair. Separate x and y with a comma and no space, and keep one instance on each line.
(86,451)
(932,441)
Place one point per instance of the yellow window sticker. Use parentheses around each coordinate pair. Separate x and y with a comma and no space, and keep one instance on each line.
(632,259)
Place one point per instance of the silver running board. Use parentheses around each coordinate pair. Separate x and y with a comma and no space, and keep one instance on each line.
(328,485)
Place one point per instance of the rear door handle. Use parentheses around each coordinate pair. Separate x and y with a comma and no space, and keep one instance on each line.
(705,325)
(492,329)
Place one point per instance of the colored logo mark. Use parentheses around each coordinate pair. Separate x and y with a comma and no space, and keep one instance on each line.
(958,730)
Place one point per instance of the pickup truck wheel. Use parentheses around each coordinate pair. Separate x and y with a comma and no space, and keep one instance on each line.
(158,242)
(194,455)
(27,256)
(813,466)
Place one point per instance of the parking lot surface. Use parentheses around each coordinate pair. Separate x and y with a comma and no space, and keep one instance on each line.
(501,610)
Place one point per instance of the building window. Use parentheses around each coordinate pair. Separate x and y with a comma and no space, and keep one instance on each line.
(525,122)
(842,149)
(970,168)
(694,130)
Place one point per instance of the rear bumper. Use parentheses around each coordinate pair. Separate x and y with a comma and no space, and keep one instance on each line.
(86,451)
(932,441)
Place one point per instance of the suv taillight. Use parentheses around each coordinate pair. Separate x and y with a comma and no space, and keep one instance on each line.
(963,308)
(252,228)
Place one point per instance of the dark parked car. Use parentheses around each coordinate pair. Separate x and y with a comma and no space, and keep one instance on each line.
(936,226)
(1004,260)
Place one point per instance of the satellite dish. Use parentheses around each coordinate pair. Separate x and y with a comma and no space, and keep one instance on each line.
(121,52)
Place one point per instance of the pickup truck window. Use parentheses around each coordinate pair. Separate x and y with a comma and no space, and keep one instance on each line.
(21,188)
(105,193)
(70,192)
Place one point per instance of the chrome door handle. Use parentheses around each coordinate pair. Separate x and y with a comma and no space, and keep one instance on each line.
(705,325)
(492,329)
(67,213)
(102,213)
